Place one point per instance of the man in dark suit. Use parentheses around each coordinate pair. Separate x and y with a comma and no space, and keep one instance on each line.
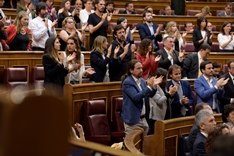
(208,89)
(228,10)
(150,30)
(135,97)
(192,62)
(129,6)
(169,55)
(195,129)
(206,122)
(229,87)
(183,98)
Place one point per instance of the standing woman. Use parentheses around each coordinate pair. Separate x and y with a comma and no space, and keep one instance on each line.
(145,56)
(64,12)
(225,38)
(75,77)
(179,40)
(54,69)
(69,29)
(26,5)
(99,61)
(160,103)
(201,34)
(18,33)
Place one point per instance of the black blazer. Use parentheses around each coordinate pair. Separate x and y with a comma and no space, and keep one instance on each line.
(192,137)
(145,33)
(199,148)
(164,62)
(99,65)
(198,36)
(191,66)
(228,92)
(54,72)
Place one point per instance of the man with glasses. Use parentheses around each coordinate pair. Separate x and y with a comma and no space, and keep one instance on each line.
(192,62)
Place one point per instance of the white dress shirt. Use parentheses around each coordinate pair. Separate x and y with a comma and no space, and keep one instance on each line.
(224,38)
(84,15)
(40,32)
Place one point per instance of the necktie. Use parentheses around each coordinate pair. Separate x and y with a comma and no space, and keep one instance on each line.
(199,71)
(48,32)
(180,93)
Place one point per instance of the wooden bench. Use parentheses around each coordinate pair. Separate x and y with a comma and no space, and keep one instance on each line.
(9,13)
(164,141)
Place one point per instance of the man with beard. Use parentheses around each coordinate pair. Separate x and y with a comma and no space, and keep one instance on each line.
(150,30)
(136,92)
(121,54)
(41,28)
(98,22)
(208,89)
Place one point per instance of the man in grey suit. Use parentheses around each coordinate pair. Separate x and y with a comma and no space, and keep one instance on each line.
(192,62)
(228,10)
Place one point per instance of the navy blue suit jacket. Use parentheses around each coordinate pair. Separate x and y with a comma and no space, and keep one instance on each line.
(176,105)
(205,93)
(199,148)
(99,65)
(192,137)
(145,33)
(133,99)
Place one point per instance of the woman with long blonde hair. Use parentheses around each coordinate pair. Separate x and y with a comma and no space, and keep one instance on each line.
(18,33)
(99,59)
(172,30)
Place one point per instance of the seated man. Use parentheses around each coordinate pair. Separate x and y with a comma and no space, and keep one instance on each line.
(129,6)
(188,26)
(169,55)
(228,10)
(195,129)
(209,26)
(110,8)
(192,62)
(168,11)
(183,98)
(205,120)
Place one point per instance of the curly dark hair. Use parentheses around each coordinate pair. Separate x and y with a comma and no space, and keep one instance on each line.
(214,134)
(143,47)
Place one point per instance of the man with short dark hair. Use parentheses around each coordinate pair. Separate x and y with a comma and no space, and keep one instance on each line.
(183,98)
(195,129)
(228,10)
(229,87)
(188,26)
(121,54)
(150,30)
(169,55)
(207,88)
(217,69)
(41,27)
(192,62)
(110,8)
(168,11)
(129,6)
(98,22)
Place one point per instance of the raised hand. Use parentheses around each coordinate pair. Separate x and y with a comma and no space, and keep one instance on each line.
(184,100)
(116,11)
(133,30)
(54,23)
(84,26)
(127,30)
(211,36)
(157,58)
(173,89)
(221,82)
(133,47)
(157,81)
(60,11)
(126,48)
(181,53)
(205,37)
(150,82)
(90,71)
(71,57)
(116,50)
(184,34)
(109,16)
(61,57)
(76,66)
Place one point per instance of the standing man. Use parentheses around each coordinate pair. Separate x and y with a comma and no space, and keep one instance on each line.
(208,89)
(121,54)
(135,97)
(41,28)
(169,55)
(205,120)
(229,87)
(150,30)
(192,62)
(98,22)
(129,6)
(183,98)
(84,14)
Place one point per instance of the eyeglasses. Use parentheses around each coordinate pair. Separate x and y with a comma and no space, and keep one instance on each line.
(70,22)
